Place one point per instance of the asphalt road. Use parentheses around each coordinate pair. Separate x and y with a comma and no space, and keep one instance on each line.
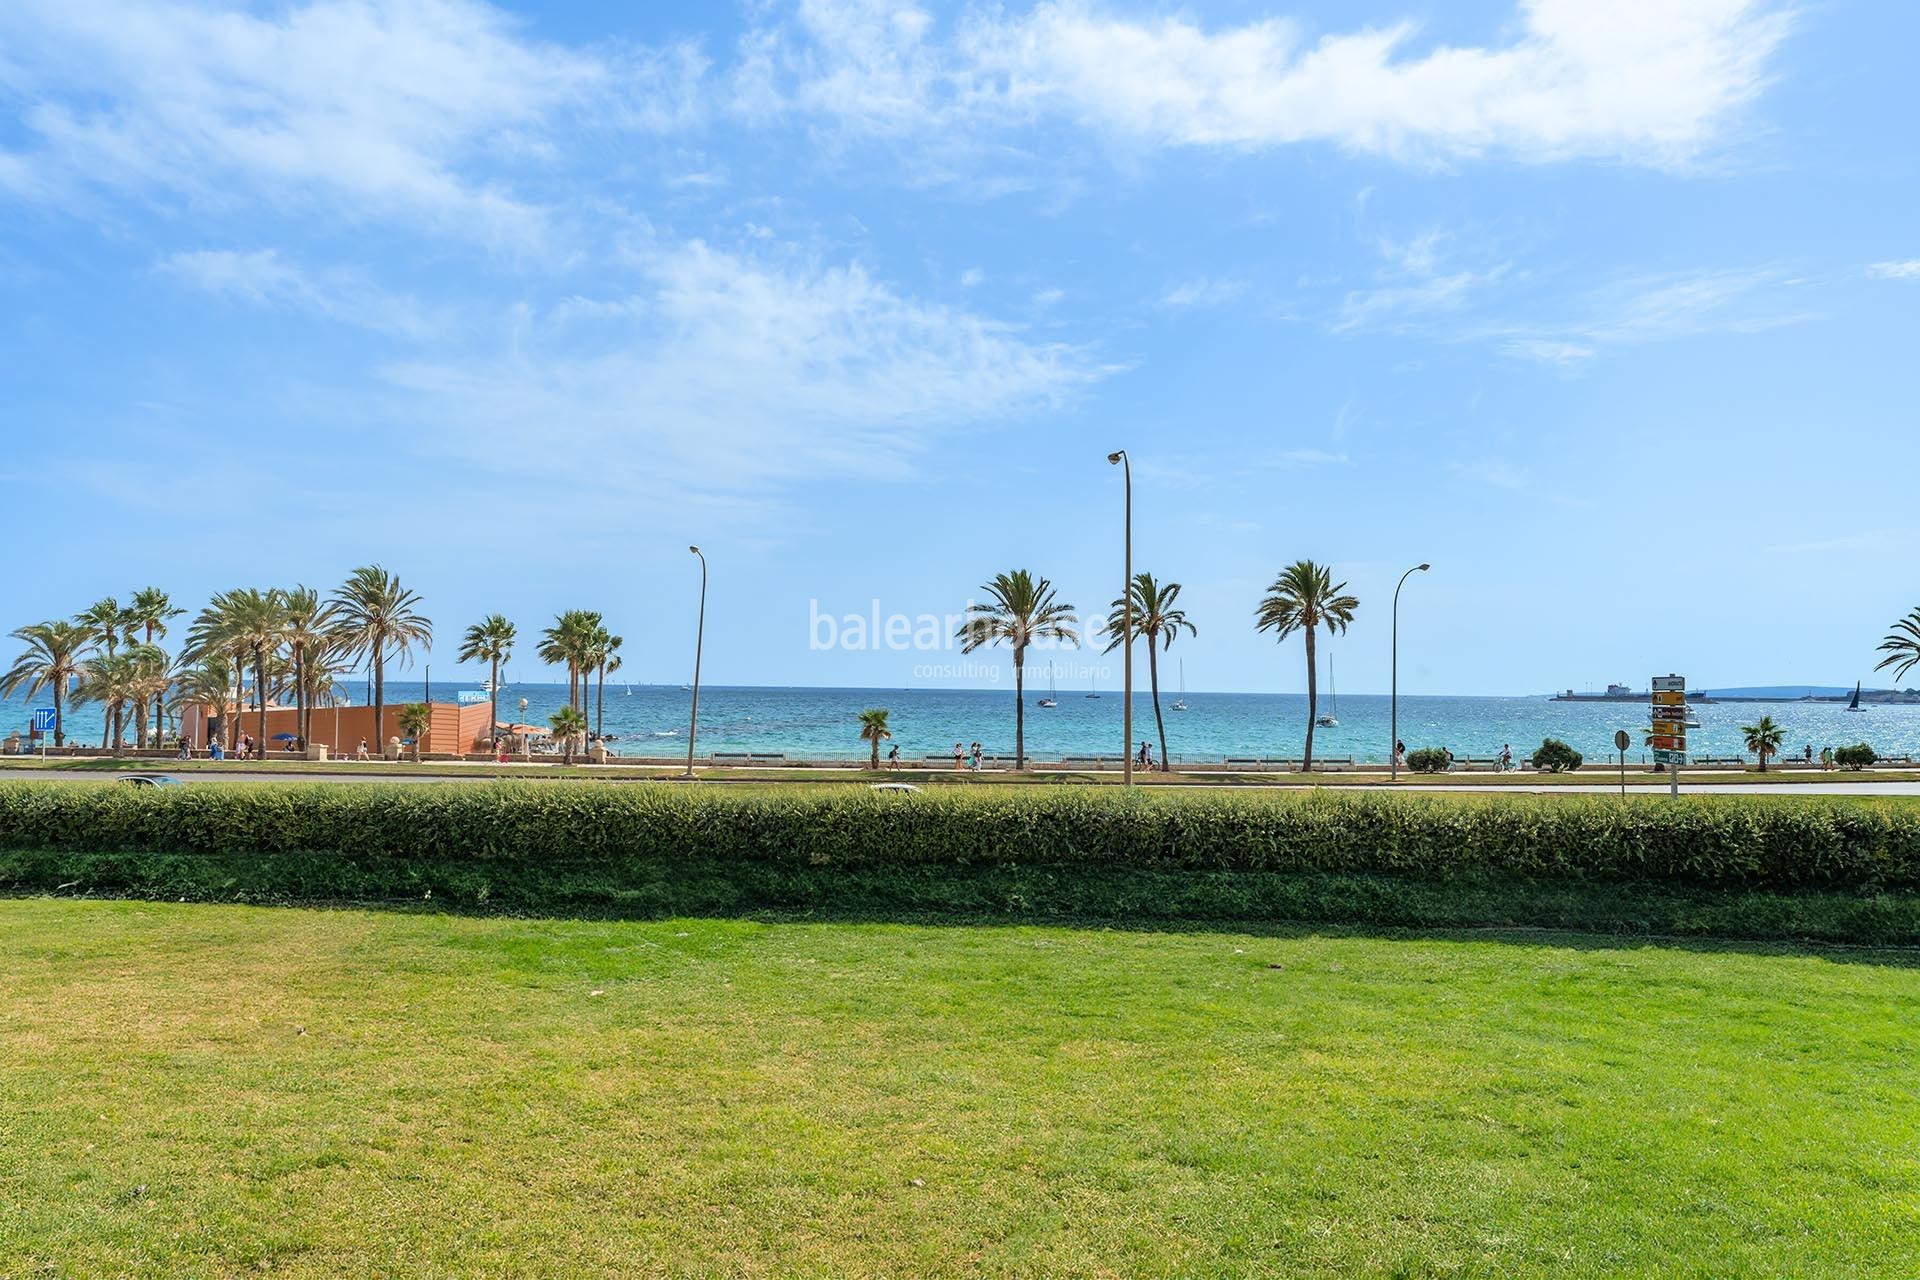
(1840,786)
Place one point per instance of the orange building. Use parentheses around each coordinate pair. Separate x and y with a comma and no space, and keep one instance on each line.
(454,730)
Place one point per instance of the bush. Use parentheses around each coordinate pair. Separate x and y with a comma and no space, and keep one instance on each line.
(1858,756)
(1556,756)
(634,832)
(1427,760)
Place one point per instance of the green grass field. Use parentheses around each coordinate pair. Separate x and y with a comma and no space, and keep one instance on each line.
(199,1090)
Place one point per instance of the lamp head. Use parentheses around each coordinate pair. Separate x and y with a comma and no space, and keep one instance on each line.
(1425,567)
(1116,455)
(695,550)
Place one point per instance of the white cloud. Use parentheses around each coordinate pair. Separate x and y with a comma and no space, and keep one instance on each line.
(263,278)
(1204,292)
(1644,80)
(731,374)
(971,277)
(374,107)
(1908,269)
(1391,306)
(1548,351)
(1492,472)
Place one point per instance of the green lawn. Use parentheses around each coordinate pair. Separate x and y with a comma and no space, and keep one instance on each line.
(197,1090)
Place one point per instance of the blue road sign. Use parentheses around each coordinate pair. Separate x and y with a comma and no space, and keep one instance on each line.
(43,719)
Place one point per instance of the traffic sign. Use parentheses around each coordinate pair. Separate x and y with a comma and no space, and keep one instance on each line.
(43,718)
(1621,741)
(1671,727)
(1668,742)
(1669,684)
(1663,756)
(1669,698)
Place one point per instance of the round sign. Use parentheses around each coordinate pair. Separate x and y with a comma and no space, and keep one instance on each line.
(1620,740)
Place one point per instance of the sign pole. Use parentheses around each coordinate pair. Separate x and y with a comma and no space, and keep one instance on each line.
(1621,742)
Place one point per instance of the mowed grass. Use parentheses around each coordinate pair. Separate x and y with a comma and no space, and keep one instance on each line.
(209,1090)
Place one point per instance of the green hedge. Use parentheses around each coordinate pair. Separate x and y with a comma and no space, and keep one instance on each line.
(1731,842)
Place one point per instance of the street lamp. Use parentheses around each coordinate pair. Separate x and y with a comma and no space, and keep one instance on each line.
(1120,459)
(1393,746)
(699,642)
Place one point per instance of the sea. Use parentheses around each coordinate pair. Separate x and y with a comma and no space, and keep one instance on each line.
(650,720)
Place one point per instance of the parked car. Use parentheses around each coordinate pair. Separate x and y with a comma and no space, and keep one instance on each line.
(150,780)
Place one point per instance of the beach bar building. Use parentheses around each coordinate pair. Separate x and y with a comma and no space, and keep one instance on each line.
(455,729)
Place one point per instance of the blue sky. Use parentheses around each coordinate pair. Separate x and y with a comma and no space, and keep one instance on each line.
(1607,311)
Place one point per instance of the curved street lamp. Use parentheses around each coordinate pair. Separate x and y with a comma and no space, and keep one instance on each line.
(1393,746)
(699,643)
(1120,459)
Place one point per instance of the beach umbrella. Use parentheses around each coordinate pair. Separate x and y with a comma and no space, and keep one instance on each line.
(286,737)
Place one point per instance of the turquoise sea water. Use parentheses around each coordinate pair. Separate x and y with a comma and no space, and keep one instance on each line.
(823,723)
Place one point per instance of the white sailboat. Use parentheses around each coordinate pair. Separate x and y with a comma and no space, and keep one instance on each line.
(1180,703)
(1328,719)
(1049,700)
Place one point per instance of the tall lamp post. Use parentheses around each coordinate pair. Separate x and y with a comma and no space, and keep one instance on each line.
(1393,746)
(1120,459)
(699,643)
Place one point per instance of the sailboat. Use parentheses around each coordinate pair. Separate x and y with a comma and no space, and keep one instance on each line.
(1049,700)
(1854,703)
(1327,719)
(1180,703)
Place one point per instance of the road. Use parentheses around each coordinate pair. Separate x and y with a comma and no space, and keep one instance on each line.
(1839,786)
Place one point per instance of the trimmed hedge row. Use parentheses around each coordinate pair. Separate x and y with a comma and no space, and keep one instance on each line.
(1725,842)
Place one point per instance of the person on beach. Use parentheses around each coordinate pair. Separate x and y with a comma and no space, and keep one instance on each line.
(893,756)
(362,753)
(959,756)
(1399,754)
(216,751)
(1448,753)
(186,748)
(974,754)
(1826,757)
(1809,753)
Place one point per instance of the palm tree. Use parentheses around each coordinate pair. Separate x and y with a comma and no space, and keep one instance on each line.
(1020,610)
(568,641)
(415,719)
(568,724)
(245,626)
(1304,598)
(376,617)
(51,661)
(109,679)
(150,678)
(1902,646)
(151,611)
(308,621)
(605,653)
(207,683)
(1764,738)
(105,619)
(873,727)
(490,641)
(1155,617)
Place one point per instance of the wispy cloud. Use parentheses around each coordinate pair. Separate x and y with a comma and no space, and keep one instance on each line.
(263,278)
(1657,308)
(1906,269)
(1203,292)
(373,108)
(1651,81)
(735,374)
(1495,473)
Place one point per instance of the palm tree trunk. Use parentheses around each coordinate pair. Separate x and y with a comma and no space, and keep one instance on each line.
(300,694)
(493,726)
(239,697)
(260,702)
(379,701)
(59,717)
(873,761)
(1019,709)
(600,705)
(1313,703)
(1153,680)
(140,724)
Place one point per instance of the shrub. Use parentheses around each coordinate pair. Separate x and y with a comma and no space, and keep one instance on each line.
(322,836)
(1858,756)
(1427,760)
(1555,756)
